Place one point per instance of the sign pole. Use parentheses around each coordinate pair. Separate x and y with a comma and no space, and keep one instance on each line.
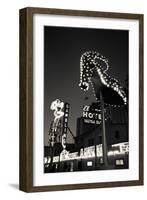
(104,139)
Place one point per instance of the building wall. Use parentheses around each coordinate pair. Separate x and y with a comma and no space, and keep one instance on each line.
(116,129)
(88,164)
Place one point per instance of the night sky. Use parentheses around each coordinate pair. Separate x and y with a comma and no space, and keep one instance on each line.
(63,48)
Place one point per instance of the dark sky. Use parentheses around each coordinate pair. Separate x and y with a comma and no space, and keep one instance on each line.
(63,48)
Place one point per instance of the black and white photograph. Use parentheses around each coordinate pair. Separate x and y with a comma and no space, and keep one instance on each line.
(86,95)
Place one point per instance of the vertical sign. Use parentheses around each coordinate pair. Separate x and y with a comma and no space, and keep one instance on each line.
(65,124)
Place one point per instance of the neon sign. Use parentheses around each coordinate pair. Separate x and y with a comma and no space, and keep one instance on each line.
(90,63)
(122,147)
(57,106)
(65,124)
(90,152)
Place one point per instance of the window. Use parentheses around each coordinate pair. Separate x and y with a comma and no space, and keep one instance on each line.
(100,139)
(91,142)
(119,162)
(89,163)
(117,134)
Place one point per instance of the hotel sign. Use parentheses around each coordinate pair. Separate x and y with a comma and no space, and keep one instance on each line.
(91,115)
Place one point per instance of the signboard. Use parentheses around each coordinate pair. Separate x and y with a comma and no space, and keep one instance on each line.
(122,147)
(56,159)
(64,155)
(99,151)
(73,155)
(89,152)
(91,115)
(47,160)
(65,124)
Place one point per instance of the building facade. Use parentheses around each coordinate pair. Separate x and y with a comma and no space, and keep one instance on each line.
(86,153)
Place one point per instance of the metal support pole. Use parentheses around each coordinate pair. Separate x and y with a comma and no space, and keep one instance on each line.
(52,155)
(104,139)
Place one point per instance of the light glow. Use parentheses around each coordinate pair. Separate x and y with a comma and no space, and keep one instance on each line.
(89,163)
(89,61)
(90,153)
(57,107)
